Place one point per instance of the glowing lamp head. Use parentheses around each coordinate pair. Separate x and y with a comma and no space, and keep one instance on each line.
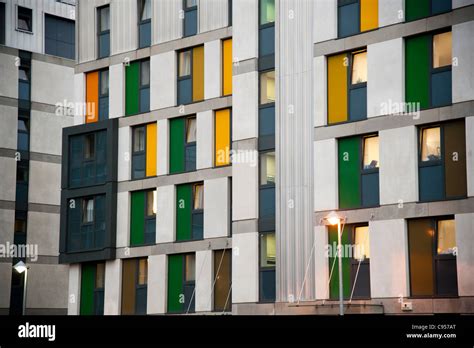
(20,267)
(332,218)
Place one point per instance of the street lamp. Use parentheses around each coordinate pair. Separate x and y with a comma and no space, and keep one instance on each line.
(334,219)
(20,267)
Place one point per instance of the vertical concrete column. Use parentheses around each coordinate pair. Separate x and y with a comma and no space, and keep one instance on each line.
(157,281)
(465,256)
(321,262)
(124,153)
(204,280)
(320,91)
(205,139)
(470,155)
(325,20)
(245,267)
(123,219)
(217,211)
(113,287)
(326,186)
(245,106)
(163,80)
(463,70)
(116,90)
(79,98)
(245,30)
(163,147)
(74,292)
(165,214)
(212,69)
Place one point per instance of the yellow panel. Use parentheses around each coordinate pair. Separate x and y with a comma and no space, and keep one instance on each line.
(227,67)
(151,149)
(337,88)
(222,136)
(198,73)
(369,14)
(92,97)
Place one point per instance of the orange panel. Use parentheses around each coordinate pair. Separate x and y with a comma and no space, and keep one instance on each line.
(92,97)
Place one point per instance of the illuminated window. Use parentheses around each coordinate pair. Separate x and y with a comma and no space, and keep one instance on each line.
(431,144)
(442,50)
(446,237)
(267,87)
(359,67)
(361,243)
(267,168)
(371,152)
(267,250)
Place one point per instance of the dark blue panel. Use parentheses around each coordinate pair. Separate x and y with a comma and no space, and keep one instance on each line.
(348,20)
(198,225)
(266,124)
(145,34)
(362,284)
(441,88)
(75,160)
(267,285)
(99,221)
(188,297)
(431,183)
(99,302)
(89,173)
(370,189)
(140,300)
(358,104)
(144,100)
(138,166)
(24,90)
(101,157)
(22,195)
(103,108)
(87,237)
(446,277)
(266,202)
(23,141)
(50,46)
(190,158)
(104,45)
(74,224)
(266,41)
(440,6)
(190,23)
(185,91)
(150,228)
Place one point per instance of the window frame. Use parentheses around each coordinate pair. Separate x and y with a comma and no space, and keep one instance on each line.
(362,152)
(139,286)
(347,3)
(30,22)
(189,283)
(197,212)
(139,152)
(439,162)
(148,218)
(262,234)
(189,145)
(103,97)
(355,263)
(100,32)
(184,77)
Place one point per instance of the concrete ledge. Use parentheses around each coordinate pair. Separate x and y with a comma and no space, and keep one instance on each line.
(253,309)
(244,226)
(46,311)
(245,66)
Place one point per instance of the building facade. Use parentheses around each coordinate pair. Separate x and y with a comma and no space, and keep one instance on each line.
(217,136)
(37,52)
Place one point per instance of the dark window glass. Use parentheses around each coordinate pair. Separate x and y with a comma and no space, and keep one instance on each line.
(87,210)
(59,36)
(138,139)
(89,146)
(145,10)
(103,15)
(25,19)
(104,82)
(2,23)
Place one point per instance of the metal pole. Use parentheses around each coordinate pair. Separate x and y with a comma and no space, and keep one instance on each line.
(24,290)
(339,248)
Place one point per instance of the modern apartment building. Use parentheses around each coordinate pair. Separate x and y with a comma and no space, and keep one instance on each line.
(217,136)
(37,52)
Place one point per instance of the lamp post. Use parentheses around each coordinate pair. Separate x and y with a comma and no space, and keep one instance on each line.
(20,267)
(334,219)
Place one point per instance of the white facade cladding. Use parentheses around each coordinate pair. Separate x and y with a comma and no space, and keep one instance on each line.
(463,70)
(213,14)
(167,24)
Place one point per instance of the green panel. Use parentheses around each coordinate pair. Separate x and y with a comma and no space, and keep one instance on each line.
(183,212)
(87,289)
(175,283)
(346,264)
(177,133)
(132,84)
(416,9)
(349,172)
(137,221)
(417,70)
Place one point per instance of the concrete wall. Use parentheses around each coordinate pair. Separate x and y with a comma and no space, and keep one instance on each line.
(113,287)
(80,97)
(205,140)
(204,280)
(47,287)
(8,175)
(245,30)
(166,22)
(320,91)
(216,208)
(163,147)
(44,183)
(166,213)
(326,182)
(124,153)
(123,26)
(9,130)
(74,292)
(5,285)
(157,284)
(43,126)
(463,73)
(43,230)
(321,263)
(391,12)
(43,91)
(163,80)
(245,267)
(212,69)
(212,15)
(325,20)
(123,219)
(9,73)
(245,189)
(116,90)
(465,256)
(470,155)
(7,223)
(245,105)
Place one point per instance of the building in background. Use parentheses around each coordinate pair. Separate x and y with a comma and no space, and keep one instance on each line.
(37,53)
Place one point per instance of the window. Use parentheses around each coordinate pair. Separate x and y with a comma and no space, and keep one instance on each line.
(355,241)
(89,148)
(415,9)
(191,75)
(267,11)
(143,218)
(25,19)
(355,16)
(181,283)
(19,237)
(428,75)
(227,67)
(144,23)
(267,168)
(24,83)
(92,289)
(267,87)
(21,194)
(183,144)
(144,147)
(103,94)
(137,90)
(59,37)
(347,95)
(222,136)
(266,117)
(358,184)
(266,35)
(103,15)
(442,161)
(87,210)
(190,17)
(222,292)
(432,257)
(134,286)
(267,266)
(2,23)
(189,211)
(23,134)
(267,191)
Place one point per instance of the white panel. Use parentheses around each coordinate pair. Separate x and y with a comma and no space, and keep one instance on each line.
(245,106)
(43,125)
(245,189)
(8,175)
(80,98)
(47,286)
(163,146)
(157,289)
(205,139)
(87,28)
(204,280)
(7,225)
(44,184)
(325,20)
(124,155)
(165,214)
(463,72)
(9,128)
(123,219)
(212,15)
(461,3)
(43,230)
(325,175)
(391,12)
(167,24)
(43,91)
(388,258)
(321,263)
(113,287)
(385,76)
(398,165)
(245,268)
(320,91)
(212,69)
(74,292)
(216,211)
(470,155)
(5,285)
(116,90)
(9,74)
(163,80)
(465,256)
(123,26)
(245,29)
